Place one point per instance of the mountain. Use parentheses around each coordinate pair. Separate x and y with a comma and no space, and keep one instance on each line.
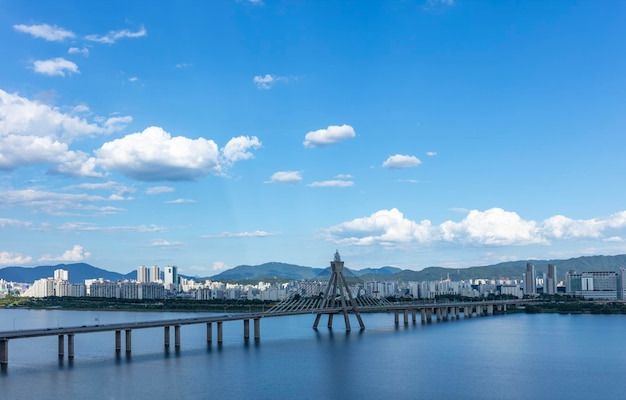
(267,271)
(78,273)
(281,271)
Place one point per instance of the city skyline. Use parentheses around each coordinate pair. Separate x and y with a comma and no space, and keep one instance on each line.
(405,133)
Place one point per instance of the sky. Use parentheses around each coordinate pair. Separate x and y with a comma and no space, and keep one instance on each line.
(406,133)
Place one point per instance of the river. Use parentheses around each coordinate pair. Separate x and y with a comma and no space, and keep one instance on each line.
(516,356)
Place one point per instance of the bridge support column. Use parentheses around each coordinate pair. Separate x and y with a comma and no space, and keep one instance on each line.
(330,321)
(220,332)
(479,310)
(457,312)
(61,346)
(438,311)
(70,345)
(128,341)
(423,315)
(406,316)
(246,329)
(414,315)
(4,352)
(118,341)
(490,309)
(396,317)
(177,336)
(166,337)
(504,307)
(444,313)
(257,328)
(209,332)
(429,315)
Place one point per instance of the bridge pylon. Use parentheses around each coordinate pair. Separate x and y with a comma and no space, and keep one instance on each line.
(338,288)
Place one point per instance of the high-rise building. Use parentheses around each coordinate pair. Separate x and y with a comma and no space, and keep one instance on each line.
(61,275)
(550,281)
(142,274)
(155,273)
(530,280)
(170,277)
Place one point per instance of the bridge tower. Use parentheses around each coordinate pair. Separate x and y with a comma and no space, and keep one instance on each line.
(337,283)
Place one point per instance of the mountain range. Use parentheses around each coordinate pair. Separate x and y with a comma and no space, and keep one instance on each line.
(79,272)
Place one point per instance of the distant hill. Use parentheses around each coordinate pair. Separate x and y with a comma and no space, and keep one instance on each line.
(268,271)
(78,273)
(282,271)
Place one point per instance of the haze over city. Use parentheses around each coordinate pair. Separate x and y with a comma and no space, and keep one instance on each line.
(404,133)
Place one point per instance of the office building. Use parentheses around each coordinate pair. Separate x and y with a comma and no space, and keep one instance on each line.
(530,280)
(170,278)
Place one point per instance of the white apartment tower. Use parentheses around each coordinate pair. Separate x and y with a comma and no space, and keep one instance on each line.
(549,284)
(155,273)
(142,274)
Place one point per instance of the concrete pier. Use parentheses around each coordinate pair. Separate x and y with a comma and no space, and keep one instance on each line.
(177,337)
(406,316)
(246,329)
(423,315)
(396,317)
(220,332)
(414,315)
(118,341)
(4,352)
(61,346)
(166,336)
(128,341)
(257,328)
(209,332)
(70,346)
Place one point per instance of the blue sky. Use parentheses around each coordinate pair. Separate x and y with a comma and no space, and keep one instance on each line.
(411,133)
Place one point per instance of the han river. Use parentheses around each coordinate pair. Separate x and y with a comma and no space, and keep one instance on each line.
(515,356)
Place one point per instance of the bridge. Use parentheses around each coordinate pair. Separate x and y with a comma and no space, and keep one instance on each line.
(337,300)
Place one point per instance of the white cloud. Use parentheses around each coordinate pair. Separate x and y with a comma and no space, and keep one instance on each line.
(55,67)
(219,266)
(32,133)
(45,31)
(54,203)
(344,176)
(492,227)
(154,155)
(285,177)
(160,189)
(113,36)
(237,148)
(76,254)
(431,153)
(166,243)
(332,134)
(133,79)
(401,161)
(267,81)
(14,259)
(332,183)
(181,201)
(240,234)
(6,222)
(385,227)
(82,226)
(75,50)
(112,186)
(183,65)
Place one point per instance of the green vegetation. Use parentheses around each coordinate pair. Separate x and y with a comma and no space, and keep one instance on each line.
(97,303)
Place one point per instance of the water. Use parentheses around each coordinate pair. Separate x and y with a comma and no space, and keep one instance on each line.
(540,356)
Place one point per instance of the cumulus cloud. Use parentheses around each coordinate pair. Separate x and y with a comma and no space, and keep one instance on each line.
(154,155)
(285,177)
(76,254)
(401,161)
(431,153)
(332,183)
(6,222)
(32,133)
(331,135)
(45,31)
(492,227)
(267,82)
(114,36)
(14,259)
(55,67)
(237,148)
